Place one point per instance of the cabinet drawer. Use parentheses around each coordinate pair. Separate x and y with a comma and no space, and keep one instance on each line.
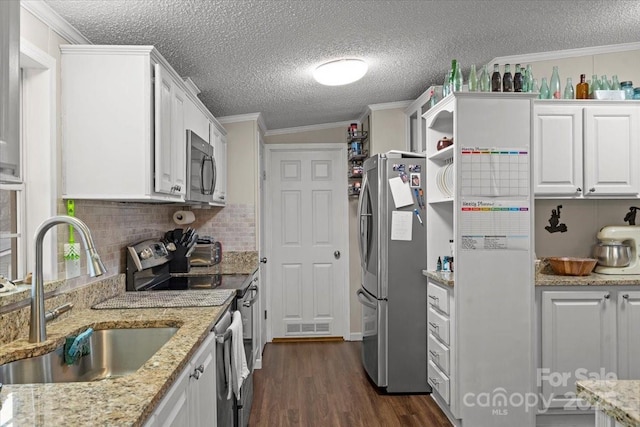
(438,353)
(438,380)
(438,325)
(438,297)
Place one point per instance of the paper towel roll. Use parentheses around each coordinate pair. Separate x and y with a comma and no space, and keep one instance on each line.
(183,217)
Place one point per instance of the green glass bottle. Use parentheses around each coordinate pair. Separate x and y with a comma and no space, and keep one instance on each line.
(568,90)
(544,90)
(528,79)
(485,80)
(457,78)
(615,83)
(473,79)
(554,86)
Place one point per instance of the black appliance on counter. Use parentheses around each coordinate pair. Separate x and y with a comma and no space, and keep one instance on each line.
(149,268)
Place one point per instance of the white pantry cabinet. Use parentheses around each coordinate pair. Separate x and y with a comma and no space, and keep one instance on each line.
(191,401)
(123,130)
(480,341)
(586,149)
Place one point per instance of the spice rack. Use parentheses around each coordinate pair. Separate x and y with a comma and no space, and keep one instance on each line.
(358,151)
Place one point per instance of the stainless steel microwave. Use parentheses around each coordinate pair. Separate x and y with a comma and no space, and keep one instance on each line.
(201,169)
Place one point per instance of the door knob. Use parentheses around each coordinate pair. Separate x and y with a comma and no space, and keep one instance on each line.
(336,254)
(263,260)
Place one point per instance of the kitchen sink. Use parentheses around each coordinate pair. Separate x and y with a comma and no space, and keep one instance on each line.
(113,353)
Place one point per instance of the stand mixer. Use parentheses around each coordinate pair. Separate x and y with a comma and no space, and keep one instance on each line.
(628,235)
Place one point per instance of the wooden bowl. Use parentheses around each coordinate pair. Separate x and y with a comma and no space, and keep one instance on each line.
(567,266)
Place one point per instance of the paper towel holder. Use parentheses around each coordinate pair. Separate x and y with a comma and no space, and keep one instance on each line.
(183,217)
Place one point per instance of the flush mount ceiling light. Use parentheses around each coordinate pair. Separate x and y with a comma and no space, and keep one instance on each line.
(340,72)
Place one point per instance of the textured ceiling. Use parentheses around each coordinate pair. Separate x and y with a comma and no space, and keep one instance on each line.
(258,55)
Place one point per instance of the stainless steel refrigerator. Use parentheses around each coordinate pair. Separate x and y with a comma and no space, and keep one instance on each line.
(393,293)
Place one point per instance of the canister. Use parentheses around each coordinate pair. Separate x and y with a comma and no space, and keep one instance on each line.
(628,89)
(636,93)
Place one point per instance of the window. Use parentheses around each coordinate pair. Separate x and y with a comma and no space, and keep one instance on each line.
(10,237)
(22,210)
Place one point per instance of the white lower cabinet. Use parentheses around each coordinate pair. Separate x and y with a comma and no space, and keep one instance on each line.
(439,355)
(586,334)
(628,306)
(578,342)
(191,401)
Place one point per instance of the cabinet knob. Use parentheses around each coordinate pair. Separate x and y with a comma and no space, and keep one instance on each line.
(578,190)
(625,296)
(263,260)
(197,372)
(592,190)
(607,295)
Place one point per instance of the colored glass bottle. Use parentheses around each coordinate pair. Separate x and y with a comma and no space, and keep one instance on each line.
(582,88)
(544,90)
(446,85)
(485,80)
(568,89)
(507,79)
(554,84)
(534,86)
(457,77)
(595,84)
(518,79)
(496,79)
(528,77)
(604,83)
(615,83)
(473,79)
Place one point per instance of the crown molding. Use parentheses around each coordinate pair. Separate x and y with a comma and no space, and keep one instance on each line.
(57,23)
(245,118)
(568,53)
(390,105)
(309,128)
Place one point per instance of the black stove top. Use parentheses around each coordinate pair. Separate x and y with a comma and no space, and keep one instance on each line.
(238,282)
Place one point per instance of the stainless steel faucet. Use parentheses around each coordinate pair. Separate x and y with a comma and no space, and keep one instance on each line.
(37,325)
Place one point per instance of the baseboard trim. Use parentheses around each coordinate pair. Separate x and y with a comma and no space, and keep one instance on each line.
(308,339)
(355,336)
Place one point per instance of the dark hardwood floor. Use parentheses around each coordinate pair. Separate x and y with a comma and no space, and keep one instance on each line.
(323,384)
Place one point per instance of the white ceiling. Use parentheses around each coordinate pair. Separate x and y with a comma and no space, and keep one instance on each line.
(258,55)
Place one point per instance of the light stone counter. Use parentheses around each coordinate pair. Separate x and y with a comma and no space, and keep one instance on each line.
(124,401)
(619,399)
(545,277)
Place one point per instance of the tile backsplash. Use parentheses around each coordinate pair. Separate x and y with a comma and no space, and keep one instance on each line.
(583,219)
(115,225)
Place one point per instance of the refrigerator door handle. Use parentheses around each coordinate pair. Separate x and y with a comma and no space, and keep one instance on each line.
(361,217)
(366,300)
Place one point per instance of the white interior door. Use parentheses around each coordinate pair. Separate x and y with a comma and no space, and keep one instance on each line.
(308,240)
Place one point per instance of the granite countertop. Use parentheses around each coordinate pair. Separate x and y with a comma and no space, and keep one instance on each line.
(619,399)
(444,278)
(123,401)
(546,277)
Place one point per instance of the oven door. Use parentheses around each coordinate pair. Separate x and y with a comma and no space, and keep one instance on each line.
(246,307)
(201,169)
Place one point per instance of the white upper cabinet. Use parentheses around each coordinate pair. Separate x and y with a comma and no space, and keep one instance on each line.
(170,149)
(123,124)
(586,149)
(196,120)
(218,139)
